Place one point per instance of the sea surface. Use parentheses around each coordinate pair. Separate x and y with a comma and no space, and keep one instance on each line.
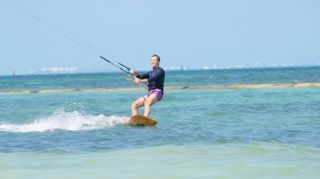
(227,123)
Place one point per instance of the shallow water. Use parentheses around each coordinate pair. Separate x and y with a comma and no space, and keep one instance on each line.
(255,160)
(224,133)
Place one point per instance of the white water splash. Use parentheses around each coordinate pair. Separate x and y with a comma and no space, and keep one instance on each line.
(70,121)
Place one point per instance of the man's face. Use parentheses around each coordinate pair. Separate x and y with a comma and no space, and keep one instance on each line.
(154,62)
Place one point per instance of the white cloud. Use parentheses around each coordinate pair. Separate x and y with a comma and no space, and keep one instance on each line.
(59,70)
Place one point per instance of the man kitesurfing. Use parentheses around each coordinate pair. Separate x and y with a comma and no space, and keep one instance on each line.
(155,80)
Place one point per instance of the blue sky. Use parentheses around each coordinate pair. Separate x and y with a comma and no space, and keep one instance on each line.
(184,33)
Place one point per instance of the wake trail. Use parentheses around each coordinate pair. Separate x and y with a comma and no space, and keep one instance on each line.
(69,121)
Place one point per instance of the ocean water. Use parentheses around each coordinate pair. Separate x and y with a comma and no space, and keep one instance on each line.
(234,123)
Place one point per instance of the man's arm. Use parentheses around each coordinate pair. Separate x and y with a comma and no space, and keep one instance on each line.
(143,78)
(136,75)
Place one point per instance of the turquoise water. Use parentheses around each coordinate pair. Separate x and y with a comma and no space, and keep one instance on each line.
(271,132)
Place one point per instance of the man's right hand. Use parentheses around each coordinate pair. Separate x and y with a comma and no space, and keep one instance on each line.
(133,72)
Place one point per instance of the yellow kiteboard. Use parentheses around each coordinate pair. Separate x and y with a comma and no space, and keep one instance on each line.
(142,121)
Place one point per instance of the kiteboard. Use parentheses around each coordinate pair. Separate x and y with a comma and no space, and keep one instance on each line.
(142,121)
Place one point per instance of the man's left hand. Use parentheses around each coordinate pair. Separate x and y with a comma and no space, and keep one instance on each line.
(137,80)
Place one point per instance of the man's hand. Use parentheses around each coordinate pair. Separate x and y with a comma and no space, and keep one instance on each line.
(133,72)
(137,80)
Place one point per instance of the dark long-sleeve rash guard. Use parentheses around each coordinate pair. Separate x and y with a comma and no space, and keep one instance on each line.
(155,78)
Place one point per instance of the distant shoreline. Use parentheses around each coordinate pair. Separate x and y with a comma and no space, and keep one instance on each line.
(173,70)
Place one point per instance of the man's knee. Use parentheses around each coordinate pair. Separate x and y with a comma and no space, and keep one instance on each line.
(138,103)
(134,105)
(149,102)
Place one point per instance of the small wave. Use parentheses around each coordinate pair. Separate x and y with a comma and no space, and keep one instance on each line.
(247,86)
(66,90)
(70,121)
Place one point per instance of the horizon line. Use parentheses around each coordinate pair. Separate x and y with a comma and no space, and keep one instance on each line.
(173,69)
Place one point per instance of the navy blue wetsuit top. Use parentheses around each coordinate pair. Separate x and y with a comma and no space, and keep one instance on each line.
(155,78)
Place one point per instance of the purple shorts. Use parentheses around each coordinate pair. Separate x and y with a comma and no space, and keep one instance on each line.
(156,92)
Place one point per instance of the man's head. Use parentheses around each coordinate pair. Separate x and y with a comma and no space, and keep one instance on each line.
(155,61)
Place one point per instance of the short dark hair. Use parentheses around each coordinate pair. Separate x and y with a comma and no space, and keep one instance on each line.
(158,57)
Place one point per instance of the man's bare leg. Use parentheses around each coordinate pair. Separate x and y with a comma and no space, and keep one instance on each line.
(152,99)
(135,105)
(134,108)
